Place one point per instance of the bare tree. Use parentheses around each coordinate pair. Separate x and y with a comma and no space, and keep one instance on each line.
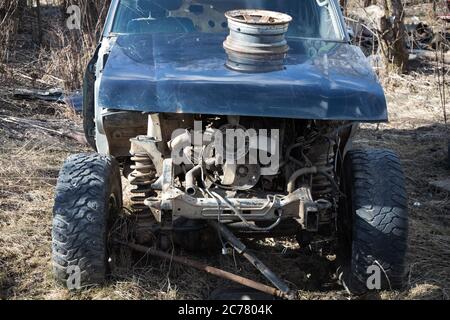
(393,36)
(9,23)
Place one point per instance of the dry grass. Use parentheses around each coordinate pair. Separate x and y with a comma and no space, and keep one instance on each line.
(29,169)
(70,51)
(57,56)
(68,63)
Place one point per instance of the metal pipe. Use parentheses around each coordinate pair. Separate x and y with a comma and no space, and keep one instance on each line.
(191,175)
(258,264)
(181,141)
(208,269)
(194,173)
(297,174)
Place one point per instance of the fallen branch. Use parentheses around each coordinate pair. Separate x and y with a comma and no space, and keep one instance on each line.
(80,138)
(30,78)
(73,100)
(208,269)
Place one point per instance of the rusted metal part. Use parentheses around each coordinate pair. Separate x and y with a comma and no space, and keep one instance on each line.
(148,145)
(191,176)
(142,176)
(147,164)
(208,269)
(257,40)
(258,264)
(297,174)
(256,209)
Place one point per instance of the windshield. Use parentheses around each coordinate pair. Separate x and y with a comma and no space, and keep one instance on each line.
(311,18)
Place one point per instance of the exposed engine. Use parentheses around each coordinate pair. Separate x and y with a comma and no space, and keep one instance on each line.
(256,172)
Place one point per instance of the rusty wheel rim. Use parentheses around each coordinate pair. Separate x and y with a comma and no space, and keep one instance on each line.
(259,17)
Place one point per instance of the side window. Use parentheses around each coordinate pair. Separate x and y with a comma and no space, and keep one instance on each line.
(313,20)
(308,20)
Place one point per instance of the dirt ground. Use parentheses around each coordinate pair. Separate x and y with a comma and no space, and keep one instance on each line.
(30,158)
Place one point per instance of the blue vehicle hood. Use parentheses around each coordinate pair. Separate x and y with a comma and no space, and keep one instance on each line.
(186,73)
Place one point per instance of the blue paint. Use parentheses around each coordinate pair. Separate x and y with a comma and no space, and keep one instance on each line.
(186,73)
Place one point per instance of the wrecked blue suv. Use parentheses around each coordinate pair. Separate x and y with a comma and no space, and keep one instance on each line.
(231,120)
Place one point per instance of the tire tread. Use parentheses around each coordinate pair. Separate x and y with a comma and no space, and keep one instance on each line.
(80,216)
(380,218)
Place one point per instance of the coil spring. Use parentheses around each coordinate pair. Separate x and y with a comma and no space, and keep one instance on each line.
(325,161)
(142,176)
(321,185)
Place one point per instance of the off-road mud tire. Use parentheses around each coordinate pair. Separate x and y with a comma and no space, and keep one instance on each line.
(88,199)
(373,221)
